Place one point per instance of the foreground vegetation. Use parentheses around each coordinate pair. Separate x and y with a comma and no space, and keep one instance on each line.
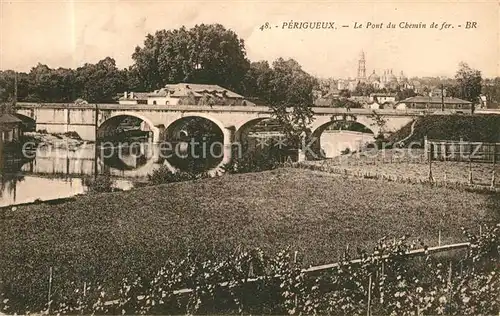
(480,128)
(105,237)
(387,282)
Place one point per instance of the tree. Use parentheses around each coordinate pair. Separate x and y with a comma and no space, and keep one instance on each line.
(363,89)
(45,84)
(204,54)
(452,90)
(469,82)
(99,82)
(345,93)
(405,93)
(290,98)
(491,88)
(257,80)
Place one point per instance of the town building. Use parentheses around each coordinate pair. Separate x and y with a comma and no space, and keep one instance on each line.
(187,94)
(432,102)
(11,128)
(387,80)
(383,97)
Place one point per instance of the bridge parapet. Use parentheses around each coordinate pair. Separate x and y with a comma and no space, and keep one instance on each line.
(220,108)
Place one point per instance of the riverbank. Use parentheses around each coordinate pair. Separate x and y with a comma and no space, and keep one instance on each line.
(112,235)
(69,141)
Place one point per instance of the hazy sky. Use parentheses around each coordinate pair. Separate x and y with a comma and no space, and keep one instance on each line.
(70,33)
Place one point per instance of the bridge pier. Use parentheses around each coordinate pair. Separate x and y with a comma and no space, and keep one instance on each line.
(228,144)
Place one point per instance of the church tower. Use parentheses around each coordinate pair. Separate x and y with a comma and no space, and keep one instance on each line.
(362,67)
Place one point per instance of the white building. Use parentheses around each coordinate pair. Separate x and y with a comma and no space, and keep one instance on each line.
(185,93)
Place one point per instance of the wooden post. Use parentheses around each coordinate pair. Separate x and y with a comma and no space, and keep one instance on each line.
(470,165)
(49,292)
(439,237)
(431,179)
(494,155)
(369,301)
(449,285)
(96,150)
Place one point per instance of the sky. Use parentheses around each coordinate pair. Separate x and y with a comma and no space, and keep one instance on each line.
(70,33)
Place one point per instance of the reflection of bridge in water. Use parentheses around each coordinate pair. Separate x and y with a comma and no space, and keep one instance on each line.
(119,161)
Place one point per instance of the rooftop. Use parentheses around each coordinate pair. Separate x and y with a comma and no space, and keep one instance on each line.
(183,90)
(9,118)
(446,100)
(202,88)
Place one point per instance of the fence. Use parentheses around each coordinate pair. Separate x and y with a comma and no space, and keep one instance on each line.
(326,267)
(429,178)
(448,150)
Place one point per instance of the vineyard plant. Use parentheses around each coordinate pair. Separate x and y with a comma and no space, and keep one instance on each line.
(386,281)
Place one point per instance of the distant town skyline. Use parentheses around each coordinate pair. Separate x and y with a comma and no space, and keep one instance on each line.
(70,33)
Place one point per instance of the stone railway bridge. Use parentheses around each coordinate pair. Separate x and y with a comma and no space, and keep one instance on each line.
(95,121)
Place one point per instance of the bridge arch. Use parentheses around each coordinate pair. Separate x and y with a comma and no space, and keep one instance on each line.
(111,123)
(334,147)
(190,147)
(130,162)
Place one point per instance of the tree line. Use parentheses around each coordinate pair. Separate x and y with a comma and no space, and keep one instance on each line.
(205,54)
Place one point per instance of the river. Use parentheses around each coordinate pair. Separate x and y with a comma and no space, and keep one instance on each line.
(51,173)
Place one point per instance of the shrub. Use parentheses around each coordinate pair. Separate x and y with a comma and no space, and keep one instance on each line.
(346,151)
(73,135)
(259,159)
(164,175)
(103,183)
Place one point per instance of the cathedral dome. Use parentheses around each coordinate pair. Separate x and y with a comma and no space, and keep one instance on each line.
(402,77)
(374,77)
(391,77)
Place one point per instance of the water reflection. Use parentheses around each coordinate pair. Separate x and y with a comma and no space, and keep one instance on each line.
(51,172)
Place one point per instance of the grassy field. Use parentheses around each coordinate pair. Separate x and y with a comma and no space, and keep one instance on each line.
(106,236)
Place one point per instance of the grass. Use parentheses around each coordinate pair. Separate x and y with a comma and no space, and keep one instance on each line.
(479,127)
(108,236)
(412,163)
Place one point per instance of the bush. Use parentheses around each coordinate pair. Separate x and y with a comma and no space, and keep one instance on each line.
(73,135)
(103,183)
(346,151)
(164,175)
(260,159)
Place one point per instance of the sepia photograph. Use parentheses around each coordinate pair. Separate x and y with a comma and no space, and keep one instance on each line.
(286,157)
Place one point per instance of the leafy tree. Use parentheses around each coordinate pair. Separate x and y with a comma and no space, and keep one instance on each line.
(405,93)
(363,89)
(45,84)
(100,82)
(204,54)
(469,82)
(452,90)
(257,80)
(345,93)
(491,88)
(290,98)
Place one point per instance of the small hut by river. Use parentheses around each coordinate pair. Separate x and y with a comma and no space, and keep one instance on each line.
(11,128)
